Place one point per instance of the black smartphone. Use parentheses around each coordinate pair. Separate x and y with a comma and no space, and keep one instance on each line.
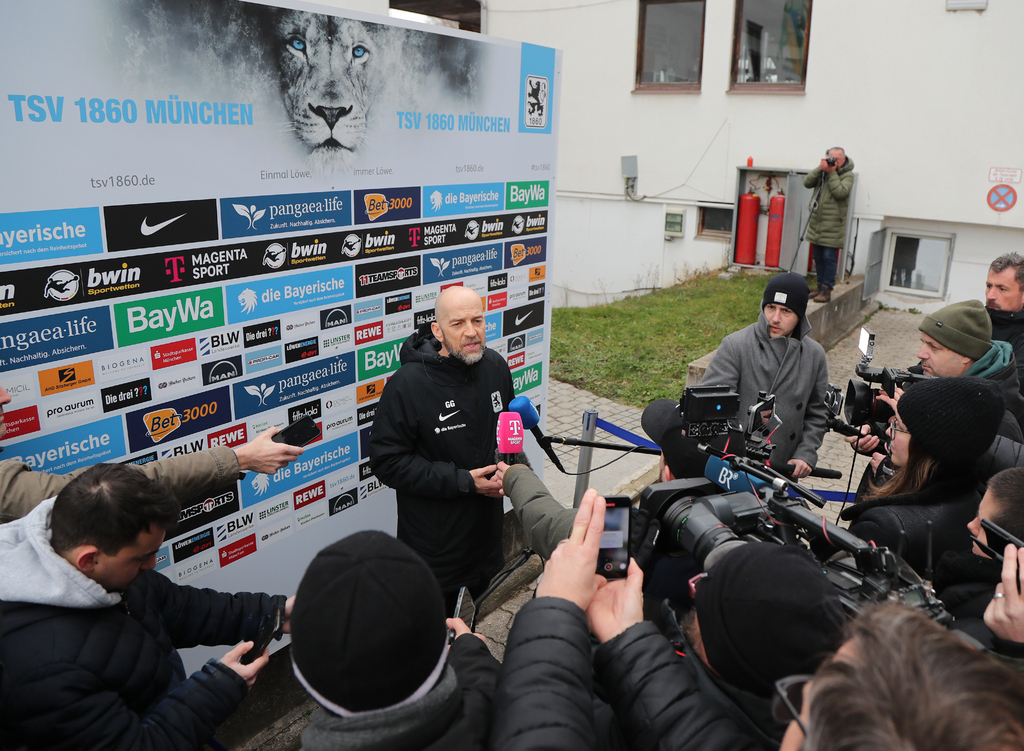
(998,538)
(613,558)
(465,609)
(300,433)
(268,627)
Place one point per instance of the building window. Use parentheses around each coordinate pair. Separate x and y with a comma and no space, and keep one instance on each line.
(770,45)
(715,222)
(919,262)
(671,44)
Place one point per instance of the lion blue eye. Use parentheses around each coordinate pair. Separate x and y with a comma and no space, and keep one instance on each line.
(359,51)
(298,44)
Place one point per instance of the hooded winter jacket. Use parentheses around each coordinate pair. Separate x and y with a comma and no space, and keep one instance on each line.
(793,368)
(84,668)
(828,221)
(1008,326)
(436,421)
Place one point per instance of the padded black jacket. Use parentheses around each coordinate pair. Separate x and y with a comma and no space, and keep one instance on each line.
(436,420)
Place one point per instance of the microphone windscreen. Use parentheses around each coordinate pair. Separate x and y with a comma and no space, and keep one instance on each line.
(510,433)
(729,479)
(526,410)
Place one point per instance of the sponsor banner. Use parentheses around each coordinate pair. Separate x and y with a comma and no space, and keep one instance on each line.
(142,459)
(72,449)
(310,494)
(311,514)
(153,225)
(332,318)
(516,343)
(497,282)
(516,361)
(189,447)
(423,318)
(526,195)
(179,383)
(261,333)
(385,276)
(497,301)
(295,212)
(530,224)
(397,303)
(535,337)
(526,252)
(386,205)
(274,513)
(179,418)
(286,386)
(400,325)
(369,332)
(316,461)
(309,409)
(378,360)
(236,435)
(335,425)
(522,318)
(452,264)
(271,533)
(142,321)
(206,509)
(306,324)
(20,422)
(365,472)
(368,392)
(173,353)
(238,550)
(492,326)
(536,292)
(66,377)
(425,295)
(275,296)
(447,200)
(75,408)
(364,441)
(32,342)
(343,501)
(378,242)
(45,235)
(194,544)
(371,487)
(537,273)
(517,297)
(263,359)
(195,567)
(219,342)
(340,400)
(223,369)
(236,527)
(366,310)
(304,349)
(163,558)
(527,379)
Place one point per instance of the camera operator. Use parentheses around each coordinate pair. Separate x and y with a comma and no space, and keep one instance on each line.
(776,356)
(826,228)
(763,612)
(1004,301)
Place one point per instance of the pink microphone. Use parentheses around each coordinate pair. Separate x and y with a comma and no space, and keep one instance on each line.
(510,435)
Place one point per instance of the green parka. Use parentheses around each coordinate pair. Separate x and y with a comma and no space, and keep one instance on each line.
(828,222)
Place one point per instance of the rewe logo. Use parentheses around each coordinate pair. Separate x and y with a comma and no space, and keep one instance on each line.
(61,285)
(250,213)
(371,332)
(376,205)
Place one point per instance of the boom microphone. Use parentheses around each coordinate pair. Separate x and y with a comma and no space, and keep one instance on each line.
(730,479)
(510,436)
(531,419)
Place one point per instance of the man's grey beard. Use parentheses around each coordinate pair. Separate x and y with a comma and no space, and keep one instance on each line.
(462,356)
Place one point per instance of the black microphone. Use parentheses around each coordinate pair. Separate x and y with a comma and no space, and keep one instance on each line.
(531,419)
(823,472)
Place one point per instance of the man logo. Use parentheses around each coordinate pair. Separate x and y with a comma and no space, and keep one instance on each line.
(223,370)
(161,423)
(62,285)
(247,299)
(518,223)
(352,245)
(376,205)
(274,256)
(472,230)
(337,317)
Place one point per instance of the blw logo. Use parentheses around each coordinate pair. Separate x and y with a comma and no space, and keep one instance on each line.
(250,213)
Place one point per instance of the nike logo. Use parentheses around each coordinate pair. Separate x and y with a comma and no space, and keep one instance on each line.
(520,320)
(442,418)
(147,230)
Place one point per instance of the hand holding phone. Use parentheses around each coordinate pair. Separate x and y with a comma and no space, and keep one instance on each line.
(268,627)
(613,557)
(300,433)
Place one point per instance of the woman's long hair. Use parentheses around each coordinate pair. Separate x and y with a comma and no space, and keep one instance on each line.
(913,477)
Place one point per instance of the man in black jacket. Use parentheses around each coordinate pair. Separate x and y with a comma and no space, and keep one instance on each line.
(1004,301)
(434,441)
(90,631)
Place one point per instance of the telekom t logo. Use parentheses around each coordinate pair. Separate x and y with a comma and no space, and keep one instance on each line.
(415,233)
(173,266)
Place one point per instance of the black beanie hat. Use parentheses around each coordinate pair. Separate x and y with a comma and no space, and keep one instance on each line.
(765,612)
(953,420)
(368,624)
(787,289)
(664,425)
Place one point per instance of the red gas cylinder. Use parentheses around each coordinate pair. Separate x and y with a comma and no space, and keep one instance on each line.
(773,246)
(746,229)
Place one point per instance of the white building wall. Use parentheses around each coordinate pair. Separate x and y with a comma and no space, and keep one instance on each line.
(925,101)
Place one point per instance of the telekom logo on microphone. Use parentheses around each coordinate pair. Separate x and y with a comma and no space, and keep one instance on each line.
(510,433)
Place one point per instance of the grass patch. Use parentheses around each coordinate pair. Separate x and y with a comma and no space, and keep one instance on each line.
(636,350)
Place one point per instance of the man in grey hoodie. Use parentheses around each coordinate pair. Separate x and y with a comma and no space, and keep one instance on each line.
(775,355)
(91,632)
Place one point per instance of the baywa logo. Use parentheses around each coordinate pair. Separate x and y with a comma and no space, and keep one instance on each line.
(351,245)
(249,212)
(536,105)
(275,255)
(62,285)
(160,317)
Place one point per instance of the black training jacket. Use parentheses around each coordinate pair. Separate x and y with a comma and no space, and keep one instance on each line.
(436,420)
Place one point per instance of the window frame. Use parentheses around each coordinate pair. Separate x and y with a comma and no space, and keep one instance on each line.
(714,234)
(890,255)
(759,87)
(641,87)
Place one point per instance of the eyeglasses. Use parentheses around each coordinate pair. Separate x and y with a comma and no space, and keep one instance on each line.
(788,700)
(898,428)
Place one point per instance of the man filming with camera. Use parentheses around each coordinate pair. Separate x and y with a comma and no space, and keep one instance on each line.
(826,229)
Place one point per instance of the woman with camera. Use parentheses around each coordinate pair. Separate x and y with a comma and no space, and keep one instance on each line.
(940,429)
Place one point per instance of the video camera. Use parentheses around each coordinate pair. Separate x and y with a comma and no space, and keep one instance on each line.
(862,403)
(711,412)
(697,518)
